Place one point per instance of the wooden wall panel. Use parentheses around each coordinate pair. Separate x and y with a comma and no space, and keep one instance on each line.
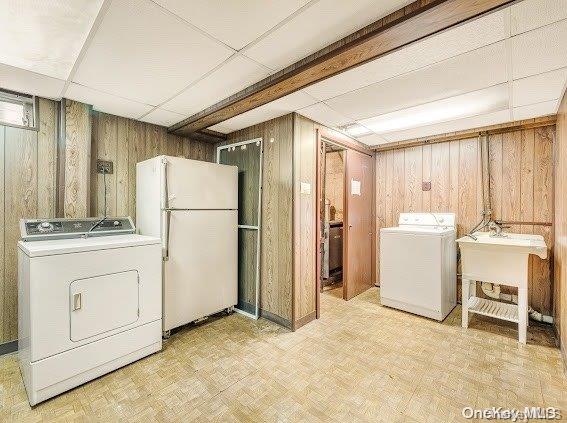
(20,201)
(276,262)
(27,190)
(521,188)
(440,176)
(47,158)
(304,220)
(4,292)
(126,142)
(77,159)
(560,229)
(334,181)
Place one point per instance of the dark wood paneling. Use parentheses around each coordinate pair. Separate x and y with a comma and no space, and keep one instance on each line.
(521,188)
(27,190)
(126,142)
(77,158)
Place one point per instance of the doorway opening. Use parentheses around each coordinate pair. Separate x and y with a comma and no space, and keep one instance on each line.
(345,217)
(332,218)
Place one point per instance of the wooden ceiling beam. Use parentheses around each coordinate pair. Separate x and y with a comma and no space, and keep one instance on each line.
(206,135)
(416,21)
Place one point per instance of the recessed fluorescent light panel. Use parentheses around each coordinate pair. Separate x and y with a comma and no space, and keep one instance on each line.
(356,130)
(470,104)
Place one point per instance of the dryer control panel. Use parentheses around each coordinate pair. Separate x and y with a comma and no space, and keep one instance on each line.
(43,229)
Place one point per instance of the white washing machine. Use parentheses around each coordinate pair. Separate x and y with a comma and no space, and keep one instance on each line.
(86,306)
(418,264)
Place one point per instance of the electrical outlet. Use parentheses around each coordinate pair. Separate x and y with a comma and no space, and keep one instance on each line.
(426,186)
(104,166)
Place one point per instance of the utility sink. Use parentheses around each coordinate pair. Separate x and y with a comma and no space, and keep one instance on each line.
(502,260)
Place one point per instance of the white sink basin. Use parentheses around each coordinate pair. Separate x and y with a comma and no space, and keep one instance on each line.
(502,259)
(532,244)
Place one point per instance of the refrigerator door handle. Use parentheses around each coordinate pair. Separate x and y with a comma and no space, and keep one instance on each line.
(166,214)
(164,188)
(165,241)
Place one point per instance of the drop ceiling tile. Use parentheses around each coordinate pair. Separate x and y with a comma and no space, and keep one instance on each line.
(32,83)
(472,122)
(162,117)
(475,103)
(461,39)
(536,110)
(465,73)
(530,14)
(143,53)
(319,25)
(107,103)
(280,107)
(322,113)
(373,139)
(235,23)
(234,75)
(539,88)
(45,36)
(541,50)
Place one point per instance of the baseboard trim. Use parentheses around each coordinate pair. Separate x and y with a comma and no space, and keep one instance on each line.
(9,347)
(275,318)
(305,319)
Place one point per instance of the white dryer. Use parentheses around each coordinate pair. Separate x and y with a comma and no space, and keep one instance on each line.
(418,264)
(86,306)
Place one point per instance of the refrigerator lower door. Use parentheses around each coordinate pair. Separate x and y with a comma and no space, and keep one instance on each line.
(200,275)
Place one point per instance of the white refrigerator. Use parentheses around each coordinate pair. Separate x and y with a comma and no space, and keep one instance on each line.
(193,207)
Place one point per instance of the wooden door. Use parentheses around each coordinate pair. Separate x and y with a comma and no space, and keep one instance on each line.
(357,241)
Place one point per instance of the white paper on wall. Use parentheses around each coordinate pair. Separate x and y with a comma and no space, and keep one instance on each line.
(305,188)
(354,187)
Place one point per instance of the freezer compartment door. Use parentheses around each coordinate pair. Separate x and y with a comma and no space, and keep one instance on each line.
(200,276)
(193,184)
(103,303)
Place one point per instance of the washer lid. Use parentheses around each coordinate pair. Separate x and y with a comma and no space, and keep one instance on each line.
(76,245)
(419,230)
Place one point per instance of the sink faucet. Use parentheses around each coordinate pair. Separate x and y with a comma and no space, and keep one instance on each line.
(495,228)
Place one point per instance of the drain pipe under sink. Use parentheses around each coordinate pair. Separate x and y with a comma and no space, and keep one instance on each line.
(492,290)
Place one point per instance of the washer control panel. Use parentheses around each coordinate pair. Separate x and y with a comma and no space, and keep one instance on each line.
(42,229)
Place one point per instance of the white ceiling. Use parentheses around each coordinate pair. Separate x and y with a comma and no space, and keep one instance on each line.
(509,65)
(45,37)
(163,60)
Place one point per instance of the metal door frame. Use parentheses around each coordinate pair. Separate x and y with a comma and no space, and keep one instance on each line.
(258,228)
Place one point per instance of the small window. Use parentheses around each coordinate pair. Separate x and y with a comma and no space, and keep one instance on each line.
(17,109)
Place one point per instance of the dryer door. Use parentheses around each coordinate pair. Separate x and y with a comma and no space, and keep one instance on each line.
(103,303)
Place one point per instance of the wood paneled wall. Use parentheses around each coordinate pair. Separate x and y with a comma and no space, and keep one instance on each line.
(77,158)
(560,249)
(334,182)
(304,219)
(521,188)
(126,142)
(276,241)
(27,190)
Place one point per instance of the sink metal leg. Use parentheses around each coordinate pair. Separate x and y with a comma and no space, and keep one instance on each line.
(465,288)
(522,314)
